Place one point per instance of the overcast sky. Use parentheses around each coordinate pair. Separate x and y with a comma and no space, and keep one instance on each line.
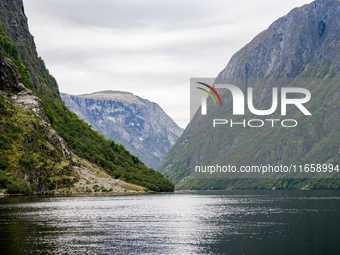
(148,47)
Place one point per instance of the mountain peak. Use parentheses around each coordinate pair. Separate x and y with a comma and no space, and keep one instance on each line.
(113,95)
(307,34)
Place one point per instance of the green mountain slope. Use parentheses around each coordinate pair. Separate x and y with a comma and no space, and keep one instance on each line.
(298,50)
(22,154)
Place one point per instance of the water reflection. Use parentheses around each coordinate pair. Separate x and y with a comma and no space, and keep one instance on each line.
(224,222)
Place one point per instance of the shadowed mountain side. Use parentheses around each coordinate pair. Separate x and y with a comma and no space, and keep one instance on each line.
(301,49)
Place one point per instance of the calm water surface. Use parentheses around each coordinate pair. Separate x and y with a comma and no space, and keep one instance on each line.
(205,222)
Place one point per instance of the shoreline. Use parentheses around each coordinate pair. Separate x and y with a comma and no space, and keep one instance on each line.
(82,194)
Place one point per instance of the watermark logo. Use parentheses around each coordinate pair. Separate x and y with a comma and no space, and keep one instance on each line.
(261,128)
(242,99)
(204,100)
(238,99)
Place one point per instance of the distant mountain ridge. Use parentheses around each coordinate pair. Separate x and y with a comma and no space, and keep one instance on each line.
(113,95)
(141,126)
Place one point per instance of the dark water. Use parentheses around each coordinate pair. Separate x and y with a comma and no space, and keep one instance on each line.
(226,222)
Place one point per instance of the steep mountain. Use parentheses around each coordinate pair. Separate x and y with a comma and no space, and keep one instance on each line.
(300,49)
(43,145)
(34,73)
(141,126)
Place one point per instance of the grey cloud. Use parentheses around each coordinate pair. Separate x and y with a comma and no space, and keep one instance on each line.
(143,46)
(122,14)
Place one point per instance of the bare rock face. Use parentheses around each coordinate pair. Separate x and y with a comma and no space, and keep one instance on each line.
(27,99)
(9,80)
(141,126)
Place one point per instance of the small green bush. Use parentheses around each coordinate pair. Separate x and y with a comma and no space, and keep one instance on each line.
(5,142)
(2,101)
(27,161)
(3,162)
(20,188)
(4,181)
(14,188)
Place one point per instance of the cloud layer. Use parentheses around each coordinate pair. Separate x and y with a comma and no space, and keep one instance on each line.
(148,47)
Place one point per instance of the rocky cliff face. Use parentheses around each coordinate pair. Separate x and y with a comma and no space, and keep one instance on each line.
(302,44)
(14,22)
(27,138)
(141,126)
(306,35)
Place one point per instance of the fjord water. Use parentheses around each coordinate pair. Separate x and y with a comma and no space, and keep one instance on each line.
(200,222)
